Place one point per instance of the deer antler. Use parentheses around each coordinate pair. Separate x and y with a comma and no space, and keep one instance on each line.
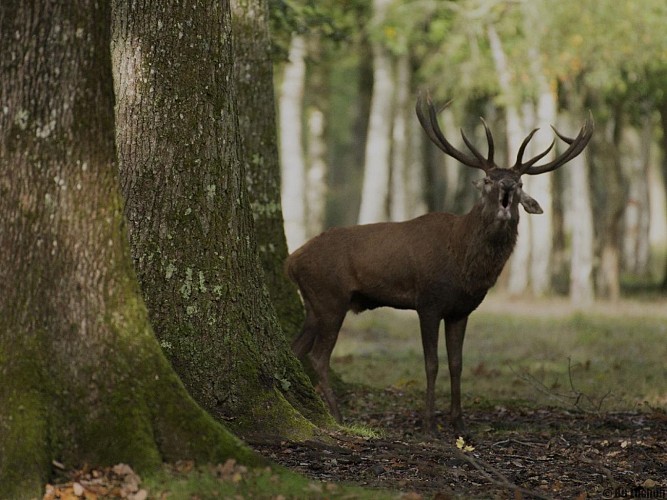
(430,125)
(576,146)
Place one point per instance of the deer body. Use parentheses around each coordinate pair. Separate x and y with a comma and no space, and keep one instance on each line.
(440,264)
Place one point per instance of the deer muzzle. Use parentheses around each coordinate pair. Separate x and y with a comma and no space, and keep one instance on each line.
(505,197)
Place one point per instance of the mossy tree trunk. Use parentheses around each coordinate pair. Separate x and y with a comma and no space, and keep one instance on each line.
(253,70)
(84,380)
(191,228)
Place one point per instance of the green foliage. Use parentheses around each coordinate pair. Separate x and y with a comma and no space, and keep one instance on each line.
(337,21)
(613,44)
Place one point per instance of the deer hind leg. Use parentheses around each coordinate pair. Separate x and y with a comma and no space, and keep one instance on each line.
(327,327)
(303,344)
(454,335)
(430,324)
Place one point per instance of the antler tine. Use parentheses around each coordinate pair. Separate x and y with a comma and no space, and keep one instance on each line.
(432,129)
(473,149)
(522,149)
(489,140)
(575,147)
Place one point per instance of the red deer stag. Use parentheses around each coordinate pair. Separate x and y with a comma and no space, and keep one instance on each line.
(439,264)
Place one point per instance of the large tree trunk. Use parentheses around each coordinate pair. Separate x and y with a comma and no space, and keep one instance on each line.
(253,71)
(191,228)
(375,189)
(83,378)
(291,144)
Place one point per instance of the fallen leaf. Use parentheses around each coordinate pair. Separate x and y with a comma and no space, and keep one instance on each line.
(77,489)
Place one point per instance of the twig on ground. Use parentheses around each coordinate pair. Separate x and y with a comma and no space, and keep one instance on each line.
(582,456)
(488,471)
(574,398)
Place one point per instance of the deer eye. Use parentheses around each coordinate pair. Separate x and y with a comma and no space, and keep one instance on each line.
(520,185)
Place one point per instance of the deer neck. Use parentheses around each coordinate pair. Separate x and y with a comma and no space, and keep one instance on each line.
(489,243)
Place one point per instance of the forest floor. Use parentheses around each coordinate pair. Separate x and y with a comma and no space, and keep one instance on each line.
(558,404)
(517,453)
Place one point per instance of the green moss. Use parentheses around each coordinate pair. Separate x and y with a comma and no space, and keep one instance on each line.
(271,413)
(24,459)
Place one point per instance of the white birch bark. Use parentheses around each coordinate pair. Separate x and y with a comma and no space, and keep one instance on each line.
(398,208)
(658,202)
(416,177)
(580,219)
(316,191)
(375,189)
(540,187)
(292,161)
(453,169)
(637,215)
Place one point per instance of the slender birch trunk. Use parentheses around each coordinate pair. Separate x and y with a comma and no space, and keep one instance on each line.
(580,220)
(375,188)
(292,160)
(399,200)
(541,188)
(316,192)
(637,217)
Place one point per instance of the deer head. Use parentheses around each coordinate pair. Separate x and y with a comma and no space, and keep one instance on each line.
(502,187)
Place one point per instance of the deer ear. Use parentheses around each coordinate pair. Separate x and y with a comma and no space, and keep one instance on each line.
(529,204)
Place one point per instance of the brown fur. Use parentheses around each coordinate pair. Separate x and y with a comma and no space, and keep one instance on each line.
(439,264)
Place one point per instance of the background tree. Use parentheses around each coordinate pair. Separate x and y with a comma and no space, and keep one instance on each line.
(294,173)
(191,230)
(377,161)
(253,73)
(83,379)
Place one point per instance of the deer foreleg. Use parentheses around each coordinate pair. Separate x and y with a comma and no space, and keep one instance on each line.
(430,324)
(454,334)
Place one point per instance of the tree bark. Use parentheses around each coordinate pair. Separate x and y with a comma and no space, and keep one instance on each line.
(399,158)
(611,202)
(637,217)
(190,222)
(253,70)
(375,188)
(663,123)
(541,188)
(83,378)
(291,144)
(580,218)
(316,194)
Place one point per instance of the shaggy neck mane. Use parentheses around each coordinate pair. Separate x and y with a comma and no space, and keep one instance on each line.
(489,244)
